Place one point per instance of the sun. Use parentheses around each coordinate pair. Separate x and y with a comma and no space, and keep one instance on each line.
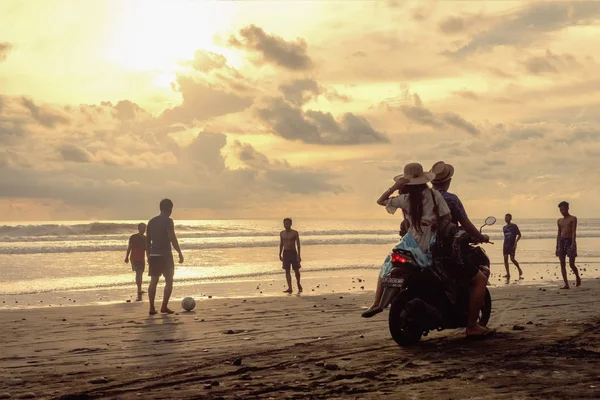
(157,35)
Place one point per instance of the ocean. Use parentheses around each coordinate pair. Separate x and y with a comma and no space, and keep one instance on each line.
(56,263)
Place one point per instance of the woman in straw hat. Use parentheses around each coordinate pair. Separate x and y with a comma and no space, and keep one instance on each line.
(418,204)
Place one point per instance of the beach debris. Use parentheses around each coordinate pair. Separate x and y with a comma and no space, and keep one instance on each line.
(529,323)
(410,365)
(518,328)
(215,383)
(320,364)
(362,287)
(208,386)
(98,380)
(480,377)
(237,362)
(362,336)
(246,377)
(230,332)
(210,297)
(28,395)
(341,297)
(315,306)
(64,320)
(128,301)
(331,367)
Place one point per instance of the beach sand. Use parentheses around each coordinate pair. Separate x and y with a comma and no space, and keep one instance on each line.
(308,347)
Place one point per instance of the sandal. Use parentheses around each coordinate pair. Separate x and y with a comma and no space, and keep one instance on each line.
(371,312)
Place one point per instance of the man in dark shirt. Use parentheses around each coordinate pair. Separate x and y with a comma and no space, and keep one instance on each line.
(137,249)
(444,173)
(160,237)
(512,235)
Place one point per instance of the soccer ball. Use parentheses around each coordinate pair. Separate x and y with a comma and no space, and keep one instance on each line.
(188,304)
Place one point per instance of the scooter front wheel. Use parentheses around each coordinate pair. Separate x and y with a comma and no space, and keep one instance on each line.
(403,332)
(486,310)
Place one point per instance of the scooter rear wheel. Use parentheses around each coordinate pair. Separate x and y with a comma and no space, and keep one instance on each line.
(401,330)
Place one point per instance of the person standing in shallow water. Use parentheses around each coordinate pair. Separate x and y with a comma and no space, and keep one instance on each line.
(566,243)
(137,250)
(159,238)
(512,235)
(289,256)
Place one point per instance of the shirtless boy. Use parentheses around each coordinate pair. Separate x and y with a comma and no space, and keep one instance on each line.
(289,256)
(566,245)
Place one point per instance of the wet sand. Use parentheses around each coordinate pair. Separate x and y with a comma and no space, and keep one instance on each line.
(308,347)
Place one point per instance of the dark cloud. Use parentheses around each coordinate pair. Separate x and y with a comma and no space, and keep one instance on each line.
(531,24)
(421,115)
(316,127)
(5,48)
(467,94)
(452,25)
(73,153)
(202,101)
(302,182)
(300,91)
(282,177)
(273,49)
(246,153)
(460,123)
(424,116)
(44,115)
(204,153)
(550,63)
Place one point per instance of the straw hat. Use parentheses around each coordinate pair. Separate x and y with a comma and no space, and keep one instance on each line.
(443,172)
(415,174)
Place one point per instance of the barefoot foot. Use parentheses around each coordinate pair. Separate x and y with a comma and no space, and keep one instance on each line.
(565,287)
(288,291)
(165,310)
(299,289)
(152,311)
(578,282)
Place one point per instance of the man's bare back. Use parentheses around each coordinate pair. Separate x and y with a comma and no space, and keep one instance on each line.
(567,226)
(289,238)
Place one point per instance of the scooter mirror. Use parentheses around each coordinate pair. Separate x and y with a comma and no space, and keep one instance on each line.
(489,221)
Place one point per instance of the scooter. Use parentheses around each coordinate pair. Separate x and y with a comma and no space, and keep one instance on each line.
(433,298)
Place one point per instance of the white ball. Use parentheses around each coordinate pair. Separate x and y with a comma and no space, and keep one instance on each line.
(188,304)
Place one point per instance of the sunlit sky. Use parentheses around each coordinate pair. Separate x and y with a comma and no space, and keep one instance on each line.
(248,109)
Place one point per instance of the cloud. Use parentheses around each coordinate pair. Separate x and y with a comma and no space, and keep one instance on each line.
(452,25)
(5,48)
(460,123)
(202,101)
(205,61)
(531,24)
(246,153)
(467,94)
(316,127)
(300,91)
(550,63)
(424,116)
(44,115)
(273,49)
(280,176)
(74,153)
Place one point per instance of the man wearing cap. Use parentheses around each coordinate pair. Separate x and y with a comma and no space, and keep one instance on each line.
(444,173)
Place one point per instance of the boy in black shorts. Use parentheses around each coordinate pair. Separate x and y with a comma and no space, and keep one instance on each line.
(289,256)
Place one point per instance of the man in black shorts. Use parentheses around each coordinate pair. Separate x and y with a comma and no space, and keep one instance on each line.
(159,238)
(288,255)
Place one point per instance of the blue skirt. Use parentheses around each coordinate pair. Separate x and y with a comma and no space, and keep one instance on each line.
(409,243)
